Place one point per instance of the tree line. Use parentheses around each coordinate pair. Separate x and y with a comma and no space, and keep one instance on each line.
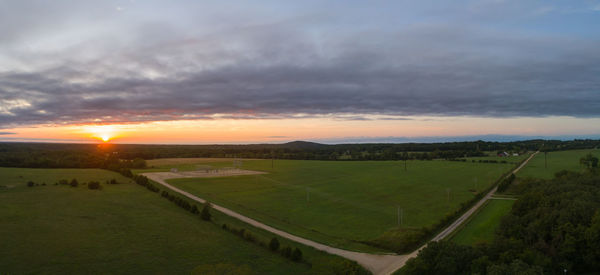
(117,156)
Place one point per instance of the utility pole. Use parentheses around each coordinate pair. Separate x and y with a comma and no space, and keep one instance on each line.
(545,159)
(307,195)
(401,216)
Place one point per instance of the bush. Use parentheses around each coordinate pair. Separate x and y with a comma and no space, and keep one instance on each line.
(30,183)
(94,185)
(274,244)
(195,210)
(74,183)
(205,215)
(297,255)
(249,237)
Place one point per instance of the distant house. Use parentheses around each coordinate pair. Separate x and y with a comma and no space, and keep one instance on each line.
(515,154)
(503,154)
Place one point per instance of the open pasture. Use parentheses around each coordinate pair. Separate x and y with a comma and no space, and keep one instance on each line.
(344,203)
(122,229)
(546,166)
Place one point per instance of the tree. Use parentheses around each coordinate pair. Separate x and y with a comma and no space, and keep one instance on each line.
(297,255)
(94,185)
(274,244)
(194,209)
(205,215)
(589,161)
(138,163)
(74,183)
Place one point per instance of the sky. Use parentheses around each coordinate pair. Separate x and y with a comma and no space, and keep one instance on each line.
(198,72)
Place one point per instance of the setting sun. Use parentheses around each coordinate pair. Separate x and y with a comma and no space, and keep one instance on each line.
(104,133)
(105,138)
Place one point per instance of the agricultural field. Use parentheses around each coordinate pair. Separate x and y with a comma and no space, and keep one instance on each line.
(182,164)
(556,161)
(345,204)
(122,229)
(492,157)
(482,226)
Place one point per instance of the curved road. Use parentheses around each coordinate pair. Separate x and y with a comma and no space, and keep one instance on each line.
(378,264)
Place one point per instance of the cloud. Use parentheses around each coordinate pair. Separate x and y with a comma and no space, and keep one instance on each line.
(159,70)
(6,133)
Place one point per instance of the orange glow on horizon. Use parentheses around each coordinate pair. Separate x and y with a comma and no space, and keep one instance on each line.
(218,131)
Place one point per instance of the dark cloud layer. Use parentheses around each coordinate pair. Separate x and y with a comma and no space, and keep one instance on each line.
(280,71)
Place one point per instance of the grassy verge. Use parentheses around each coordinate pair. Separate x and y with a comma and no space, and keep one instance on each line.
(481,227)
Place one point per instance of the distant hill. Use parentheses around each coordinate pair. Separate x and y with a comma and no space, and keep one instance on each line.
(303,145)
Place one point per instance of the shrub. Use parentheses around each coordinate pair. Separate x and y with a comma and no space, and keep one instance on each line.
(274,244)
(205,215)
(74,183)
(297,255)
(224,226)
(195,210)
(94,185)
(30,183)
(249,237)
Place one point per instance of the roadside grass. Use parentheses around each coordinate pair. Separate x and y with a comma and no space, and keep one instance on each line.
(556,161)
(346,203)
(122,229)
(481,227)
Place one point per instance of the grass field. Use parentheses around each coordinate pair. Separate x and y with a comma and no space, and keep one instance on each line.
(121,229)
(556,161)
(340,203)
(481,227)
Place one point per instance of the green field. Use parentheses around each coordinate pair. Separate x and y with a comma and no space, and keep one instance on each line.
(556,161)
(121,229)
(481,227)
(343,203)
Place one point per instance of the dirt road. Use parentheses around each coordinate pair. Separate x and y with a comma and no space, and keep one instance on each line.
(378,264)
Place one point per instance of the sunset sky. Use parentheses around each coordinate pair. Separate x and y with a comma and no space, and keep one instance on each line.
(197,72)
